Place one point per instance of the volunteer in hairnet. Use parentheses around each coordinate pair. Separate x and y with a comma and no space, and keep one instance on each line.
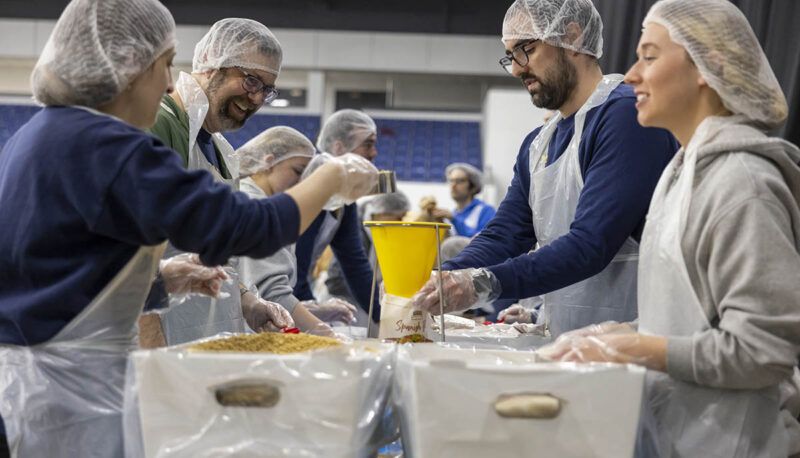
(382,207)
(270,163)
(581,185)
(344,131)
(234,69)
(719,303)
(87,201)
(471,214)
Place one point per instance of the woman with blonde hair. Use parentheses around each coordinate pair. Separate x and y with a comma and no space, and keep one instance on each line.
(718,297)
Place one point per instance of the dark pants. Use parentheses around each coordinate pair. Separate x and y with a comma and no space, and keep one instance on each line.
(4,452)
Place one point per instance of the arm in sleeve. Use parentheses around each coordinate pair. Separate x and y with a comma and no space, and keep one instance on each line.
(624,164)
(753,274)
(510,232)
(271,277)
(349,251)
(303,251)
(152,198)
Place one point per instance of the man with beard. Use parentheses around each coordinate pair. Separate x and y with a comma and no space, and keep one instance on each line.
(582,182)
(234,69)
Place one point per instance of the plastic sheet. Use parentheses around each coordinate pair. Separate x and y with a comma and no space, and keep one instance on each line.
(327,403)
(450,402)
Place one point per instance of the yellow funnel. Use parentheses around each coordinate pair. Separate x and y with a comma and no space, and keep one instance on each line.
(406,253)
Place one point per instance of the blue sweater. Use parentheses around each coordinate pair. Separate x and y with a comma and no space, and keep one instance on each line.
(349,251)
(460,218)
(80,193)
(621,163)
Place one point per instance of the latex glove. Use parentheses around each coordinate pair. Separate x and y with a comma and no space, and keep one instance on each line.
(184,274)
(264,316)
(462,289)
(359,177)
(515,314)
(332,310)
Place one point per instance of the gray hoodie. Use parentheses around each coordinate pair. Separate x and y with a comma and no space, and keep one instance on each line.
(742,247)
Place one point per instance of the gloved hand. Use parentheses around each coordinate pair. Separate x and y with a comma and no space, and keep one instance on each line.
(320,329)
(264,316)
(184,274)
(607,342)
(359,177)
(462,289)
(332,310)
(515,314)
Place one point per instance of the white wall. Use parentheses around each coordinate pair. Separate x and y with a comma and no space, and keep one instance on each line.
(508,116)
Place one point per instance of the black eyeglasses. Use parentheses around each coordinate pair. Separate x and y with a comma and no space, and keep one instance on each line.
(253,85)
(518,54)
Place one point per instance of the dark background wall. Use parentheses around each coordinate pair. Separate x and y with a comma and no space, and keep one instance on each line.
(775,22)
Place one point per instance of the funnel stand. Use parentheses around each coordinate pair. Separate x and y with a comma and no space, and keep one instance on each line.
(441,293)
(372,293)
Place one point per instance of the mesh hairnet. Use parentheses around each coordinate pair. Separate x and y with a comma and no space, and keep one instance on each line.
(547,20)
(350,127)
(473,174)
(396,203)
(720,42)
(236,42)
(451,246)
(282,142)
(98,47)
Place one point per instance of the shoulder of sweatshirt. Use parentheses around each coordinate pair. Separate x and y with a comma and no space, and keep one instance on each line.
(725,181)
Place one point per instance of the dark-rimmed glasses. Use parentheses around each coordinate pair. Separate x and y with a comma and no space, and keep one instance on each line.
(253,85)
(519,54)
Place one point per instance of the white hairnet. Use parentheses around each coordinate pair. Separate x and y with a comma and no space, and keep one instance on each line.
(451,246)
(282,142)
(350,127)
(237,42)
(396,203)
(473,174)
(547,20)
(720,42)
(98,47)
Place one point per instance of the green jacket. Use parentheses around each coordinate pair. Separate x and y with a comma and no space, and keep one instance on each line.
(172,128)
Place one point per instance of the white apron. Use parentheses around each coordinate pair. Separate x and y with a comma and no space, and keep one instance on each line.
(553,198)
(196,318)
(690,420)
(64,397)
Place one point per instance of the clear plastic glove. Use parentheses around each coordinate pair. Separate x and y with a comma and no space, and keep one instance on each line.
(321,329)
(514,314)
(359,177)
(606,327)
(264,316)
(332,310)
(611,348)
(185,274)
(462,289)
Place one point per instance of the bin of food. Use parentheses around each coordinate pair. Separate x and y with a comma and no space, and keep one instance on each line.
(467,403)
(265,395)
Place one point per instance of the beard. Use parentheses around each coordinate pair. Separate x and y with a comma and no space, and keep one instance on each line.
(557,85)
(224,121)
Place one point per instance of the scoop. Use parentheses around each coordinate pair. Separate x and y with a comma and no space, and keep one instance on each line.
(387,183)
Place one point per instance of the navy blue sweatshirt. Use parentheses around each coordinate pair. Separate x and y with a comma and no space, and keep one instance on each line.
(349,251)
(621,163)
(81,192)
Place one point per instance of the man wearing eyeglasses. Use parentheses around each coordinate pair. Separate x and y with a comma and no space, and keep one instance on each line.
(582,181)
(234,69)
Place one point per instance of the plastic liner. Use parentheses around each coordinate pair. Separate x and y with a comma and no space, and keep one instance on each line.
(325,403)
(477,403)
